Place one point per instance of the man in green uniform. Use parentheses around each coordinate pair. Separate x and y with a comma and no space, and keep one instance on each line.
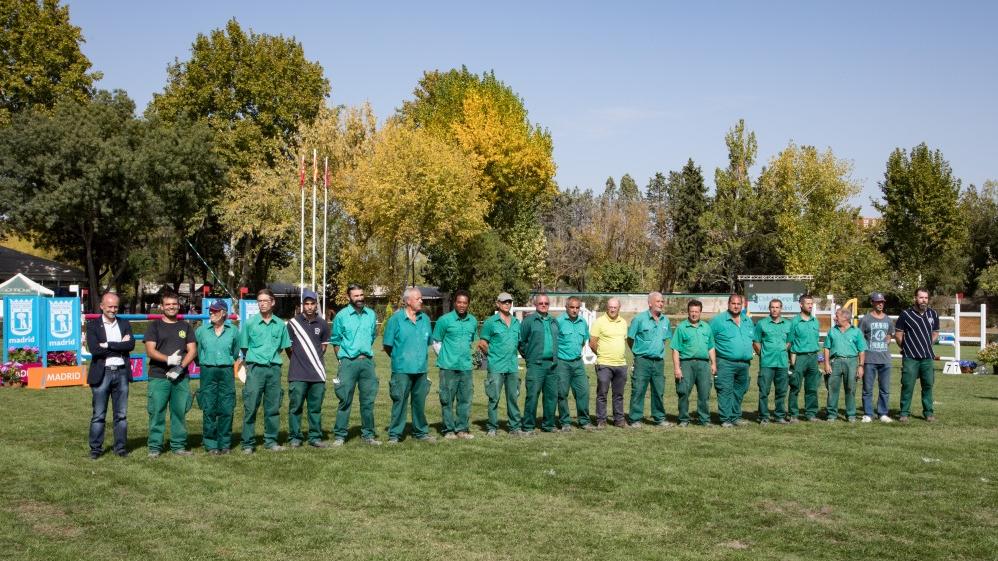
(843,344)
(309,334)
(354,331)
(170,346)
(500,337)
(218,356)
(694,363)
(770,343)
(803,339)
(406,338)
(454,333)
(733,333)
(262,338)
(646,337)
(573,334)
(538,334)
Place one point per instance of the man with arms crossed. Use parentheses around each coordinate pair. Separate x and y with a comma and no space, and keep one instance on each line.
(917,330)
(608,339)
(878,329)
(109,341)
(500,337)
(695,363)
(354,331)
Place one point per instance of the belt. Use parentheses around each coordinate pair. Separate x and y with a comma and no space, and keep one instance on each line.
(806,352)
(643,357)
(843,356)
(702,359)
(358,357)
(570,359)
(114,366)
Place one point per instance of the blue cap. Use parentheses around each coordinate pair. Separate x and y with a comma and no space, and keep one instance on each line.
(217,305)
(306,294)
(877,297)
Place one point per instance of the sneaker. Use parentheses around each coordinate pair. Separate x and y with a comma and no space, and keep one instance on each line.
(223,451)
(295,444)
(851,420)
(664,424)
(903,419)
(813,419)
(95,455)
(372,441)
(741,422)
(214,452)
(465,435)
(783,421)
(318,444)
(792,420)
(727,425)
(763,421)
(886,419)
(491,432)
(589,427)
(830,420)
(528,433)
(450,436)
(183,452)
(620,424)
(428,438)
(153,454)
(566,428)
(338,442)
(393,441)
(635,425)
(684,424)
(601,424)
(247,451)
(276,448)
(930,419)
(867,419)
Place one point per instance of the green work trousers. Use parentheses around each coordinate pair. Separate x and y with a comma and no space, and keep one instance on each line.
(495,382)
(647,371)
(408,390)
(696,374)
(175,394)
(770,376)
(922,370)
(356,374)
(456,393)
(263,385)
(541,382)
(217,399)
(807,375)
(572,377)
(731,382)
(843,374)
(300,393)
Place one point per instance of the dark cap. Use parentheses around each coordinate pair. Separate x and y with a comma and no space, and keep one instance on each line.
(306,294)
(877,297)
(218,305)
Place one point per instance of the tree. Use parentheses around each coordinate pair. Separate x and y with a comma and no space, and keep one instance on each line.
(979,209)
(660,222)
(94,183)
(409,192)
(609,189)
(924,233)
(255,91)
(688,202)
(43,63)
(629,190)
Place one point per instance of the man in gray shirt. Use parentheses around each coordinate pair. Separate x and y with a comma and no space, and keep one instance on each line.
(878,329)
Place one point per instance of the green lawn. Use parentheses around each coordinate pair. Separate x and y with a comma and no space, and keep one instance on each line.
(807,491)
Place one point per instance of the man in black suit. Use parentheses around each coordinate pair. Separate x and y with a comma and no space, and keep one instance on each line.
(109,340)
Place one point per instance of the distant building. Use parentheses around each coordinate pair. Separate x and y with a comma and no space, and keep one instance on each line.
(867,222)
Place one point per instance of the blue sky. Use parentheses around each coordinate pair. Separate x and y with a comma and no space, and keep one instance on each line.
(632,87)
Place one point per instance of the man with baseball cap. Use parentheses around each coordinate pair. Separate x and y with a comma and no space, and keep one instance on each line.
(218,356)
(500,336)
(309,335)
(878,330)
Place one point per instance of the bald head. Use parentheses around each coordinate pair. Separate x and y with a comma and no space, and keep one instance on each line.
(613,308)
(656,303)
(109,306)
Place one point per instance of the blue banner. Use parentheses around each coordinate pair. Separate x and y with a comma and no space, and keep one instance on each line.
(22,324)
(247,309)
(63,333)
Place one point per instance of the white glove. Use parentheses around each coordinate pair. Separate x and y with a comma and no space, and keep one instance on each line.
(174,373)
(437,345)
(241,374)
(174,359)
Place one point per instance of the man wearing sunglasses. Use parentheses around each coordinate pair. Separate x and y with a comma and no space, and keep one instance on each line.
(218,356)
(262,339)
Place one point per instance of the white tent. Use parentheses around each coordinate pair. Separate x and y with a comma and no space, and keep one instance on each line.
(22,285)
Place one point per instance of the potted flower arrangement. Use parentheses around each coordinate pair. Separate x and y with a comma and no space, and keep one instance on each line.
(11,373)
(24,358)
(989,355)
(61,358)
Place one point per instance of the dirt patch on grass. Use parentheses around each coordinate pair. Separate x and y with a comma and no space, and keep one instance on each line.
(47,519)
(734,544)
(793,509)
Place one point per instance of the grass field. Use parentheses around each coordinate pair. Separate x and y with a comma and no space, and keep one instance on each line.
(807,491)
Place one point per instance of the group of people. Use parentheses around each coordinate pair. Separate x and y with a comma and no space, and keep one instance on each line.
(705,355)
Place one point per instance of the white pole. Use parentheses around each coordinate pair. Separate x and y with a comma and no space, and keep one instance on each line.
(325,225)
(315,173)
(301,252)
(956,321)
(984,325)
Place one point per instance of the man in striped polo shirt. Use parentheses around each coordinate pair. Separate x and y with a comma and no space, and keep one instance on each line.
(309,335)
(916,330)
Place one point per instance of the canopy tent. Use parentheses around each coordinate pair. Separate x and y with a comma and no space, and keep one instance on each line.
(43,270)
(20,285)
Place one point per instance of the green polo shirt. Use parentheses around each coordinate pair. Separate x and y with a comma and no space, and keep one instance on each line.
(649,335)
(845,344)
(732,341)
(772,338)
(503,341)
(693,341)
(408,340)
(217,350)
(354,332)
(548,351)
(455,334)
(263,341)
(572,335)
(804,335)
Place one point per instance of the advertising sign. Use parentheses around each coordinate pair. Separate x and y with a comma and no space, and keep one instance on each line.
(247,309)
(22,326)
(63,316)
(759,293)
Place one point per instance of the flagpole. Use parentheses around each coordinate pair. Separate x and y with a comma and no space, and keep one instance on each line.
(315,180)
(301,251)
(325,226)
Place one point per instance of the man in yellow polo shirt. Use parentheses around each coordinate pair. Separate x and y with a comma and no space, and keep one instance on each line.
(608,339)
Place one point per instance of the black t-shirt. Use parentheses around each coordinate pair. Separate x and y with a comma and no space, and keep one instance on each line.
(169,338)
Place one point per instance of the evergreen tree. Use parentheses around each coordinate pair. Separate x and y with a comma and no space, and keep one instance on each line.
(688,202)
